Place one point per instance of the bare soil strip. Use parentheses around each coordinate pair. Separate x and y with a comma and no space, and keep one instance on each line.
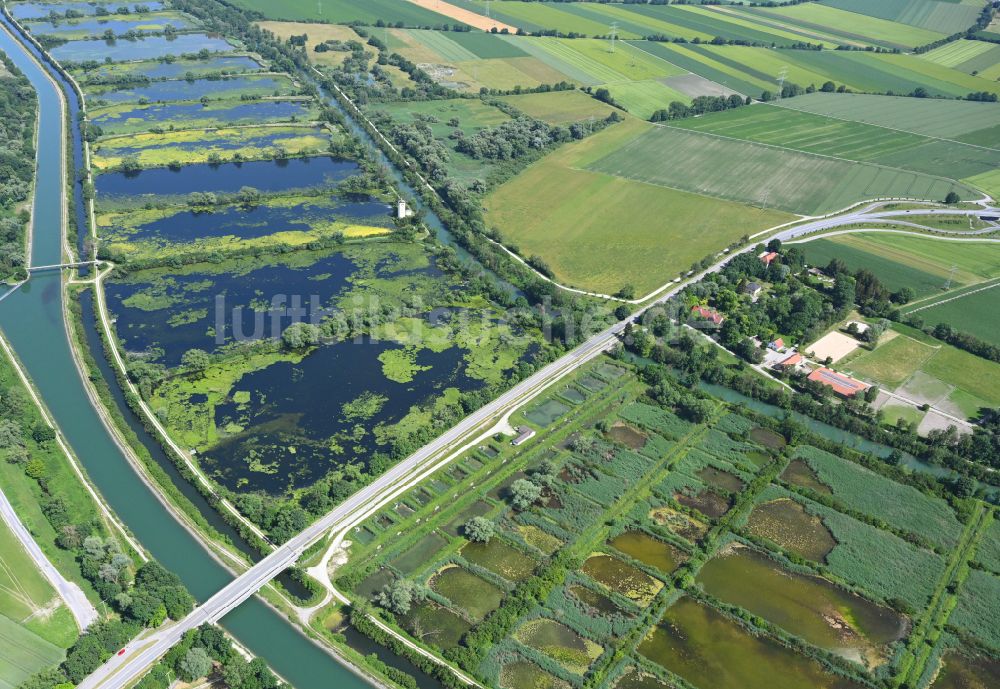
(464,16)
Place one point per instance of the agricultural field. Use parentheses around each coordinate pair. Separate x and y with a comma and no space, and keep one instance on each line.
(563,107)
(762,175)
(347,11)
(607,507)
(972,310)
(978,58)
(941,16)
(570,214)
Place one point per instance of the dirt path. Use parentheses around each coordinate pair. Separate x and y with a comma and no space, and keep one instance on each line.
(464,16)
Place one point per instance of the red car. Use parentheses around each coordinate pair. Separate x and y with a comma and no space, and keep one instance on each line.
(121,652)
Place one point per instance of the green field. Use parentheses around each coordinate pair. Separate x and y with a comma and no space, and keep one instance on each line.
(946,16)
(23,653)
(973,311)
(973,57)
(346,11)
(560,107)
(573,218)
(847,140)
(764,175)
(962,121)
(868,28)
(643,98)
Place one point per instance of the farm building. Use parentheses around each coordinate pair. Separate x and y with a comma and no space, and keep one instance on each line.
(524,434)
(777,345)
(845,386)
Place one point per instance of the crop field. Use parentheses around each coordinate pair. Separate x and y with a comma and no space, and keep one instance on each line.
(571,216)
(944,17)
(316,33)
(560,107)
(971,311)
(763,176)
(592,62)
(22,654)
(962,121)
(871,29)
(973,57)
(847,140)
(347,11)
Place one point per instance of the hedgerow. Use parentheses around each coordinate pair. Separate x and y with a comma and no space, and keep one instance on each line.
(901,507)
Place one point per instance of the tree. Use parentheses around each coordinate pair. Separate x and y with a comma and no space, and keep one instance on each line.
(524,493)
(399,596)
(828,87)
(479,529)
(196,360)
(774,245)
(300,335)
(952,198)
(194,664)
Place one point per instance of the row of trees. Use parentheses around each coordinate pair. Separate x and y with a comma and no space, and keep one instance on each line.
(17,166)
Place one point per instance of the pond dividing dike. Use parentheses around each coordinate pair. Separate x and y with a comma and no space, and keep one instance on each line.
(32,321)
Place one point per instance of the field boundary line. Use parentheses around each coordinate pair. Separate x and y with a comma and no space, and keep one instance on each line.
(687,71)
(807,153)
(955,298)
(882,126)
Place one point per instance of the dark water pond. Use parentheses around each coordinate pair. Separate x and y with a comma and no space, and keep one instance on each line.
(298,432)
(34,10)
(248,223)
(175,313)
(265,175)
(145,49)
(177,69)
(182,114)
(182,89)
(962,672)
(96,27)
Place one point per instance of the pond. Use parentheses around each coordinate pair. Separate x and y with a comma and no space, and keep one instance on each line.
(521,674)
(807,606)
(174,312)
(637,679)
(713,652)
(227,178)
(571,651)
(598,602)
(435,624)
(180,68)
(799,473)
(183,89)
(144,117)
(711,504)
(476,596)
(787,523)
(152,47)
(288,424)
(648,550)
(247,223)
(622,578)
(34,10)
(97,27)
(500,558)
(962,672)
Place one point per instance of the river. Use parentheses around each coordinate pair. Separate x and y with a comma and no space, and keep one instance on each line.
(31,319)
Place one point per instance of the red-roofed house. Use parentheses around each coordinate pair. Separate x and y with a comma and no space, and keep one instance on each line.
(768,257)
(790,361)
(706,313)
(845,386)
(777,345)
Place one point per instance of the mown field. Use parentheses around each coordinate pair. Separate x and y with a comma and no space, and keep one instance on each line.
(562,107)
(763,175)
(346,11)
(575,218)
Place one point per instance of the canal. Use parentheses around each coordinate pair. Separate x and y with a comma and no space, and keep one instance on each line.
(32,320)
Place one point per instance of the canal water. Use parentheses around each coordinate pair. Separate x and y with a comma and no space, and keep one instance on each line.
(31,318)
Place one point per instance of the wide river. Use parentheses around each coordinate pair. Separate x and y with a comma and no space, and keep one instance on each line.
(31,318)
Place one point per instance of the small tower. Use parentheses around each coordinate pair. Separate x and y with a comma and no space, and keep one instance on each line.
(401,209)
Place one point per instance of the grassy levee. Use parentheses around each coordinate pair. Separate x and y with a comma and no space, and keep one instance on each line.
(931,623)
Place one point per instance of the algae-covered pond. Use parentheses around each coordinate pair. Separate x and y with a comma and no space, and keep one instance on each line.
(173,68)
(145,117)
(194,89)
(711,651)
(35,10)
(807,606)
(962,672)
(787,523)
